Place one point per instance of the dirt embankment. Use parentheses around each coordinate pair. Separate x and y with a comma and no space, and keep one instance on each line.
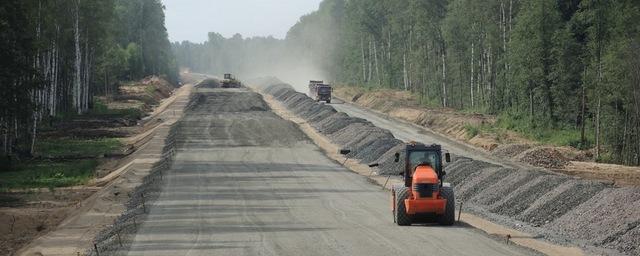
(404,106)
(128,117)
(454,124)
(143,95)
(555,207)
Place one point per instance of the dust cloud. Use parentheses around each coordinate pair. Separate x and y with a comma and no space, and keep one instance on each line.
(306,53)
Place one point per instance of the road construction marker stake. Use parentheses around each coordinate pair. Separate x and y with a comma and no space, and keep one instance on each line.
(119,240)
(460,211)
(13,222)
(385,183)
(144,207)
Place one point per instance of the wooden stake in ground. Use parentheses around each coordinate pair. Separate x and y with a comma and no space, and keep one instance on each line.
(13,222)
(385,183)
(144,207)
(460,211)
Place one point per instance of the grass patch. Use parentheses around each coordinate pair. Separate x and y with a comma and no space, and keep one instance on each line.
(46,174)
(101,109)
(471,131)
(75,147)
(543,132)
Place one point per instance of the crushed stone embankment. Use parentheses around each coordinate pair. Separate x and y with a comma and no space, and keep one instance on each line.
(598,217)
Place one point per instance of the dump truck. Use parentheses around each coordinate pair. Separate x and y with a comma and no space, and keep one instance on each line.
(230,81)
(319,91)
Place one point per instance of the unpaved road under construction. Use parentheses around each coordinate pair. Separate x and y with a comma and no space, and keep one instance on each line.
(246,182)
(409,132)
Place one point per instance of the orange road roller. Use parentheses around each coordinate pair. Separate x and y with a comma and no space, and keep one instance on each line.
(424,197)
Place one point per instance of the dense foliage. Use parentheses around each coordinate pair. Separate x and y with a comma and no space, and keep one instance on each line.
(542,66)
(56,55)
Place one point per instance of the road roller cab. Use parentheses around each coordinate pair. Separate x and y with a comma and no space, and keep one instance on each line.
(424,197)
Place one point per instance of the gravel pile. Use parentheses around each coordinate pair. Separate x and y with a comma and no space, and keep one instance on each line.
(557,206)
(228,101)
(590,221)
(510,150)
(487,178)
(209,83)
(388,165)
(498,190)
(520,199)
(543,157)
(367,142)
(463,171)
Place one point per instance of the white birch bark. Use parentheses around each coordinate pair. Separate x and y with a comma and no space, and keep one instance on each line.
(472,72)
(375,56)
(364,64)
(404,71)
(370,71)
(77,94)
(444,79)
(389,46)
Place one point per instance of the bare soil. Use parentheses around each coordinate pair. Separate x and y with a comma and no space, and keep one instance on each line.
(27,215)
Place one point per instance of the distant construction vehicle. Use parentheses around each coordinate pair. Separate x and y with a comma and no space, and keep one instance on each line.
(319,91)
(424,197)
(230,81)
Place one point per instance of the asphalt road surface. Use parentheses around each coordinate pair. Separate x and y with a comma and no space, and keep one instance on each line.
(246,182)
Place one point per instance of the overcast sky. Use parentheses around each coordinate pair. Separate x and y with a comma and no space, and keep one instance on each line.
(193,19)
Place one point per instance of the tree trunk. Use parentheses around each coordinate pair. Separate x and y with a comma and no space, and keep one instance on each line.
(375,56)
(404,72)
(624,152)
(598,110)
(369,77)
(510,17)
(583,109)
(504,43)
(364,65)
(77,94)
(472,73)
(531,110)
(33,133)
(5,131)
(389,46)
(444,78)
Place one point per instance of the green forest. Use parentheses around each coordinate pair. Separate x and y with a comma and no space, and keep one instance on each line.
(546,66)
(57,55)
